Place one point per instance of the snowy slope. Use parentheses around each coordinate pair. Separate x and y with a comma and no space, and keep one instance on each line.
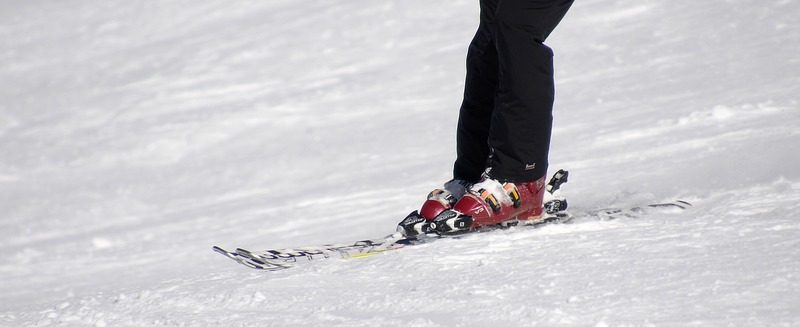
(135,135)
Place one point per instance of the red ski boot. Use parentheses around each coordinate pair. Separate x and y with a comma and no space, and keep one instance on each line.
(491,202)
(461,207)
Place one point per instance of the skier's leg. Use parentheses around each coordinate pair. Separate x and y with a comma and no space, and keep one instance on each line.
(472,135)
(521,122)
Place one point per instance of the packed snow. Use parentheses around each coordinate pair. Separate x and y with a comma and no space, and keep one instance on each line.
(135,135)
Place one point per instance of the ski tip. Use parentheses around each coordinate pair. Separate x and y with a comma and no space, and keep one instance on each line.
(220,250)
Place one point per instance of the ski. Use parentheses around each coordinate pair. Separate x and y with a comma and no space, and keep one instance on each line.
(281,259)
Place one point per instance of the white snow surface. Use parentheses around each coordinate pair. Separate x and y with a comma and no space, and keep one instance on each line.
(135,135)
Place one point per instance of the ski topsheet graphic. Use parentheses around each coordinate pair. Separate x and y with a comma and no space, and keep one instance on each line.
(280,259)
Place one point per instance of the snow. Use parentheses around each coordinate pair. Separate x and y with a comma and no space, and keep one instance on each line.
(134,136)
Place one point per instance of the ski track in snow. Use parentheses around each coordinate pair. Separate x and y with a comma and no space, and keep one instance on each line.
(133,136)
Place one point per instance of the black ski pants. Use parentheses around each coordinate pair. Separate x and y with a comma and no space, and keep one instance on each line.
(505,120)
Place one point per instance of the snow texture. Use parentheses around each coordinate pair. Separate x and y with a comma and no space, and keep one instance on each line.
(135,135)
